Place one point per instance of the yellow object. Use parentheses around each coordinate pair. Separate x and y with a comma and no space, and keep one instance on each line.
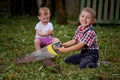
(51,50)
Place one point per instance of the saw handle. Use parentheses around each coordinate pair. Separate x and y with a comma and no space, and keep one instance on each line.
(58,44)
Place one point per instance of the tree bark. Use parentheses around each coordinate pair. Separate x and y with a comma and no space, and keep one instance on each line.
(61,17)
(50,4)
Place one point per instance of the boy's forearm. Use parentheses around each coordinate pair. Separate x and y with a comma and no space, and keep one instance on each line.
(75,47)
(70,43)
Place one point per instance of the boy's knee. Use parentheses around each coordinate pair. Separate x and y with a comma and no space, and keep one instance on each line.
(67,61)
(72,61)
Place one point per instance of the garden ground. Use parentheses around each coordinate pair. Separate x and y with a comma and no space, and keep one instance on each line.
(17,39)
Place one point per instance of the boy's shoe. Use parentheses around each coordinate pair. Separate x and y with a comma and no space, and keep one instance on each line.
(105,63)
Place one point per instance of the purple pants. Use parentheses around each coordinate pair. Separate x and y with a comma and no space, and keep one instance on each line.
(87,58)
(45,41)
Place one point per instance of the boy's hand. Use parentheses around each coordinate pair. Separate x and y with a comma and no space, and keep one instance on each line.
(64,44)
(60,49)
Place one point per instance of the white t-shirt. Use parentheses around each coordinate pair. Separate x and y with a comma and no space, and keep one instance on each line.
(43,28)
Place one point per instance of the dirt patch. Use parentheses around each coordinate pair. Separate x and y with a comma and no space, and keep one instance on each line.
(3,66)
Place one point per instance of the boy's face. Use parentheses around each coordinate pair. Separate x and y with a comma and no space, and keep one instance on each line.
(44,19)
(86,19)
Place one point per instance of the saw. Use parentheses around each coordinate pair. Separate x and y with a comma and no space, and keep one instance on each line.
(44,53)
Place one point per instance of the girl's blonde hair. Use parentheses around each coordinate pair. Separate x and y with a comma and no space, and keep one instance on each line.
(44,11)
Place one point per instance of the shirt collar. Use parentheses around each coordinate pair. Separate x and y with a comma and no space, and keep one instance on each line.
(84,28)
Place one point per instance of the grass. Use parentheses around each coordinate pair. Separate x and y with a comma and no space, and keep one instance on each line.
(17,39)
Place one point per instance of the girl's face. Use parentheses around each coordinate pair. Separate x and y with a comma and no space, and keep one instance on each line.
(44,19)
(86,19)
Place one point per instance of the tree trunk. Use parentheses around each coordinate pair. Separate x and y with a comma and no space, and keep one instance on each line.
(72,8)
(61,17)
(50,4)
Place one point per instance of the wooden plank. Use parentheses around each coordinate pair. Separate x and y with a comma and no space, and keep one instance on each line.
(107,22)
(9,4)
(117,14)
(105,17)
(94,3)
(111,9)
(82,4)
(88,3)
(94,6)
(100,2)
(22,5)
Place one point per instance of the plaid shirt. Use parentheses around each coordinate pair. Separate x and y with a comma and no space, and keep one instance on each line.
(88,37)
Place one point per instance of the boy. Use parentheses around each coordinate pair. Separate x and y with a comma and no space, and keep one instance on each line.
(85,39)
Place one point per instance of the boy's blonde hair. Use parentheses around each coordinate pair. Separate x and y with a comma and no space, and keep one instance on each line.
(44,11)
(90,10)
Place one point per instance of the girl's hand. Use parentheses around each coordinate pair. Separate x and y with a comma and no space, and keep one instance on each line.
(50,32)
